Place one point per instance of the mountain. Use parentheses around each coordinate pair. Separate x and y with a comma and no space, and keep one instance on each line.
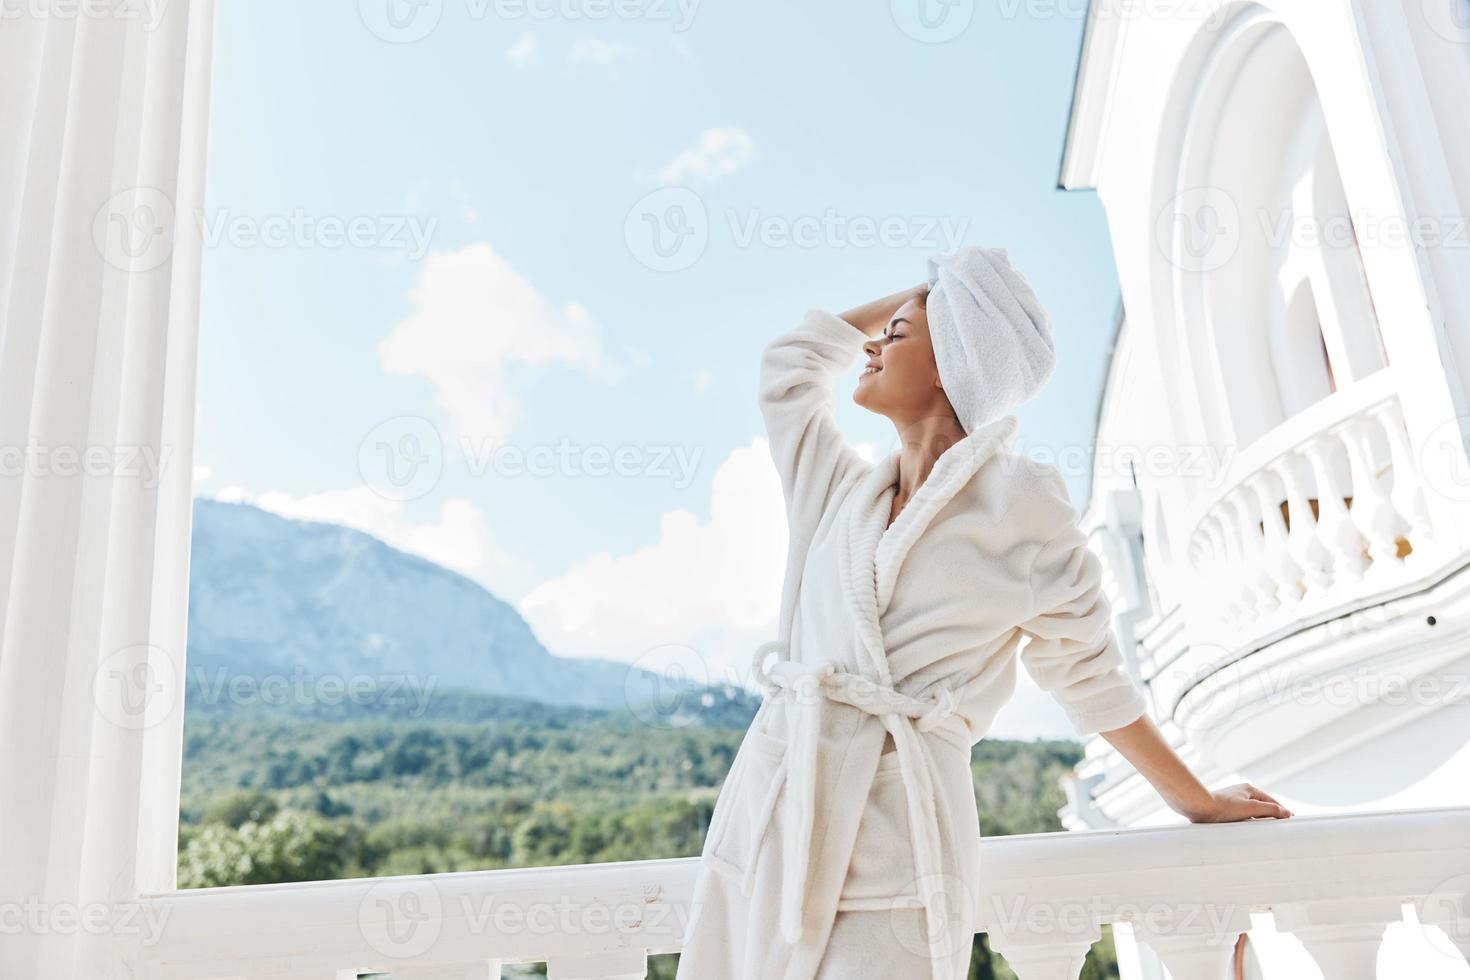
(296,601)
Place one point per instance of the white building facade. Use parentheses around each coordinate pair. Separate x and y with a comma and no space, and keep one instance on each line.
(1281,492)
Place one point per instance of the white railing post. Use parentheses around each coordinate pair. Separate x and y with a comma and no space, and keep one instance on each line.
(1343,937)
(1201,946)
(1408,486)
(1335,529)
(1042,960)
(1306,547)
(1447,908)
(1279,562)
(1259,586)
(1372,511)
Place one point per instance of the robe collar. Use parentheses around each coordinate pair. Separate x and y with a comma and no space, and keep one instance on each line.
(870,557)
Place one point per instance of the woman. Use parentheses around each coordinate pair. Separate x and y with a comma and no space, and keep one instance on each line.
(845,842)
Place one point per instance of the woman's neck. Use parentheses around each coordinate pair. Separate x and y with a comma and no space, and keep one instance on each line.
(924,442)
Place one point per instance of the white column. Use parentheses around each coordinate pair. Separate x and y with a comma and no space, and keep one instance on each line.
(103,126)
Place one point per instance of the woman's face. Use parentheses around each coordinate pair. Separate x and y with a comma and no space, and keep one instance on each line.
(901,379)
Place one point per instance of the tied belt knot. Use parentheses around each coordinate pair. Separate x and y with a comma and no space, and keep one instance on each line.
(810,686)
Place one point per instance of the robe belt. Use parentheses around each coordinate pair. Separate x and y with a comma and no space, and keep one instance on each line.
(905,717)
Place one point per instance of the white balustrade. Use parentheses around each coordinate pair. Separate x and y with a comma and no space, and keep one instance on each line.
(1356,521)
(1186,891)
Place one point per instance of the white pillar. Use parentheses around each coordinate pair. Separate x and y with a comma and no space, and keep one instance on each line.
(103,131)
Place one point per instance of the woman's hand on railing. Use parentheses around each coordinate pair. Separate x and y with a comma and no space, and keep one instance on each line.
(1239,802)
(1144,746)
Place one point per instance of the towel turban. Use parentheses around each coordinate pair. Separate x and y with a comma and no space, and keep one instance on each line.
(992,338)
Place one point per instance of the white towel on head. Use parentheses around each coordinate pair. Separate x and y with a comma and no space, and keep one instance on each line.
(992,338)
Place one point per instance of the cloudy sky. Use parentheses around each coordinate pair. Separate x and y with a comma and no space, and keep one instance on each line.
(490,278)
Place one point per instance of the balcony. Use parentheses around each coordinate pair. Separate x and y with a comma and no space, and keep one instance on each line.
(1327,510)
(1335,883)
(1331,550)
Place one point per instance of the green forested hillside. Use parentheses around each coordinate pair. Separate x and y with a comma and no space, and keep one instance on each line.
(478,782)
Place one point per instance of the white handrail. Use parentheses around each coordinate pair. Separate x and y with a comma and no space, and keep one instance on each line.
(1044,897)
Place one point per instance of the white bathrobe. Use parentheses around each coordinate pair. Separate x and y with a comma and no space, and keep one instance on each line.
(911,634)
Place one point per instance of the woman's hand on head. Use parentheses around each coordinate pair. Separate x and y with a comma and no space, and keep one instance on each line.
(1239,802)
(872,317)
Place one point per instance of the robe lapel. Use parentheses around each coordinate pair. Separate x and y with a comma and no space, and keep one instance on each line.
(870,559)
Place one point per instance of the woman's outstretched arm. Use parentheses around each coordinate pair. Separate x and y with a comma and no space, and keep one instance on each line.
(1073,654)
(1145,747)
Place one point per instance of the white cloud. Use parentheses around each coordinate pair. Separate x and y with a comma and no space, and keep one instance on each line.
(475,317)
(713,587)
(595,51)
(459,538)
(702,380)
(526,51)
(719,152)
(203,472)
(683,49)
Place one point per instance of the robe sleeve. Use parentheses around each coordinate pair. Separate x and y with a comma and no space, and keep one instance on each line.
(1071,650)
(797,379)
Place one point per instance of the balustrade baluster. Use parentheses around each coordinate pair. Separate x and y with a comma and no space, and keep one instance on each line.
(1306,547)
(1448,908)
(1202,943)
(1343,937)
(1372,512)
(1256,581)
(1408,486)
(1240,600)
(1211,568)
(1335,529)
(1279,564)
(1032,960)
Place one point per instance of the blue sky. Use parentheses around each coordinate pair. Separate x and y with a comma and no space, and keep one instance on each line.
(500,170)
